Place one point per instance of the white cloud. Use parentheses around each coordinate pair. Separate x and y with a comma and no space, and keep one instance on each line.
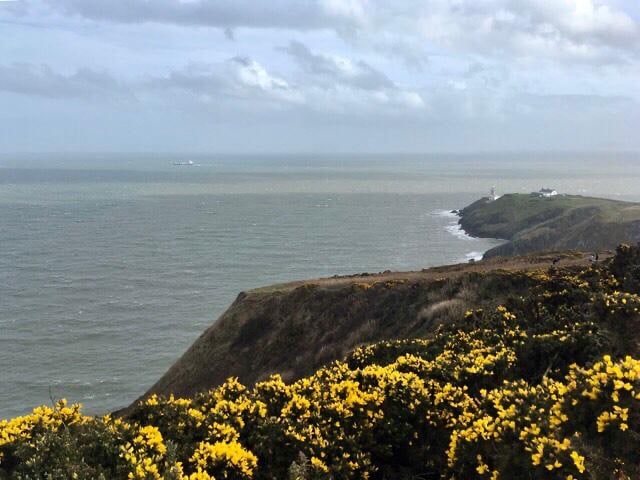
(252,76)
(590,17)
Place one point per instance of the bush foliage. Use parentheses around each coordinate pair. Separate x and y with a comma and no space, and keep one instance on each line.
(544,386)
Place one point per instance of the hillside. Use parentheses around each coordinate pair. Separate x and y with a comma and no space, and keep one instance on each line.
(540,379)
(563,222)
(292,329)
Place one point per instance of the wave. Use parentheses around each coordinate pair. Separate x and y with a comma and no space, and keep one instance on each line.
(457,231)
(454,227)
(473,256)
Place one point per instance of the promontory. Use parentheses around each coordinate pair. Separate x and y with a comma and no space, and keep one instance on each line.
(535,223)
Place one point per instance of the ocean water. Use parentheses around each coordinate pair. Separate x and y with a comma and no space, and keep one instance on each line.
(110,266)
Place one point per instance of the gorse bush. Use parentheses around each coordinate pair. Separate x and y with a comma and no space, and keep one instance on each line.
(544,386)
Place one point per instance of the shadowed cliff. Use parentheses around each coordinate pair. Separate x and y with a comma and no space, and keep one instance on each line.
(294,328)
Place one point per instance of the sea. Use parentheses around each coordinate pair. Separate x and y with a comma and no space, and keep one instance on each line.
(112,265)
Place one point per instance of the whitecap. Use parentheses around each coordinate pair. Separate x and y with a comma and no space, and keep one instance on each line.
(477,256)
(454,227)
(457,231)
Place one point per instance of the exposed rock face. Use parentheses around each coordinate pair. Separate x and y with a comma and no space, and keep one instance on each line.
(295,328)
(563,222)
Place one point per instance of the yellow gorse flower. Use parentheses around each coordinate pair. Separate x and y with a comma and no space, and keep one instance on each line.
(458,405)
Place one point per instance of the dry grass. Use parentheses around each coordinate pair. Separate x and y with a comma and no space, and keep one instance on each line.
(442,312)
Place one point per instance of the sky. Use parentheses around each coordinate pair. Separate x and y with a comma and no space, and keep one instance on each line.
(321,76)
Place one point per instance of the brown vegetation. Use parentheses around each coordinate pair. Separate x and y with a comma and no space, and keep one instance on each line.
(294,328)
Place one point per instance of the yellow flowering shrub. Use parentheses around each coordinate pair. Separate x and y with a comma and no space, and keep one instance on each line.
(543,386)
(224,459)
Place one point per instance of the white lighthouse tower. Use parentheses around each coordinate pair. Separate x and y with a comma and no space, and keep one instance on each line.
(492,194)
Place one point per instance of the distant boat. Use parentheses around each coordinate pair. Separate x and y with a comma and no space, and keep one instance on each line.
(188,163)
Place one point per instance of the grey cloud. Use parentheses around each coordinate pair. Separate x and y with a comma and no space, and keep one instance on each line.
(42,81)
(585,30)
(298,14)
(193,78)
(339,84)
(341,70)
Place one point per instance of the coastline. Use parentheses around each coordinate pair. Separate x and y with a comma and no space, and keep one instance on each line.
(530,223)
(454,228)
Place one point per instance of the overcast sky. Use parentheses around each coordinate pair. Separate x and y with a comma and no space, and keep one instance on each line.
(249,76)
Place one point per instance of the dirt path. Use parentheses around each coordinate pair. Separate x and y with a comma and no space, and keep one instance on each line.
(527,262)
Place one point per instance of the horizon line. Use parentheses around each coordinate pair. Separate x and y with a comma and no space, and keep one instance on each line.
(336,153)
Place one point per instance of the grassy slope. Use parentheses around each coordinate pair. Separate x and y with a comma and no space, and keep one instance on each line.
(295,328)
(558,223)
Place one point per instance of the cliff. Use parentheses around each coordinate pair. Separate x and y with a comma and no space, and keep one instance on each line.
(563,222)
(294,328)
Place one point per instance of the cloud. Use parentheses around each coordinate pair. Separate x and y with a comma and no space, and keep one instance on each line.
(416,70)
(294,14)
(251,76)
(335,85)
(42,81)
(239,78)
(338,84)
(585,20)
(584,30)
(568,30)
(338,69)
(327,84)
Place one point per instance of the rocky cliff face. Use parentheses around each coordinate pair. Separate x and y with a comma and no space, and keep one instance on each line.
(564,222)
(293,329)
